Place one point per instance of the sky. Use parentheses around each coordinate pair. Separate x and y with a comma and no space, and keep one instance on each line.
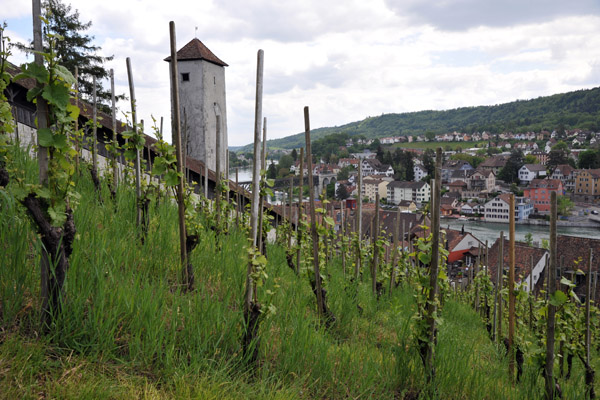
(346,60)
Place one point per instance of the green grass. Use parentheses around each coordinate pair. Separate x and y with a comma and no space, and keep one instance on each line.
(127,331)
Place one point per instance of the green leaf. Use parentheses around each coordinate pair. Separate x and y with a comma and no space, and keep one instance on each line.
(60,141)
(35,71)
(159,169)
(33,93)
(558,298)
(565,281)
(425,258)
(45,137)
(73,111)
(171,178)
(329,220)
(64,74)
(57,94)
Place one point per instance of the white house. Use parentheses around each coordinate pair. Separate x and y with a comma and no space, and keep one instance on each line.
(419,172)
(397,191)
(529,172)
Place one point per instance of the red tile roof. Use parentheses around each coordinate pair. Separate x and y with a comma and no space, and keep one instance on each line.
(196,50)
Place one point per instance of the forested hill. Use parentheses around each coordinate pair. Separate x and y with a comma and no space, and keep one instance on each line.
(579,109)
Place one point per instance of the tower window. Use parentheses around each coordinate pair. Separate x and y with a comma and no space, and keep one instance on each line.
(185,76)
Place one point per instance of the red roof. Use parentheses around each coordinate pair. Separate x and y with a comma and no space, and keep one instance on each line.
(196,50)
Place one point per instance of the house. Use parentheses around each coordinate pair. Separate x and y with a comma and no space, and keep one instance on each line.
(539,191)
(420,172)
(497,210)
(566,174)
(454,165)
(372,166)
(457,186)
(587,185)
(419,192)
(346,162)
(407,205)
(374,185)
(573,254)
(529,172)
(524,254)
(541,156)
(458,243)
(493,164)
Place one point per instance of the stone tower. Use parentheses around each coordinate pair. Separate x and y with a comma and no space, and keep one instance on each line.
(201,99)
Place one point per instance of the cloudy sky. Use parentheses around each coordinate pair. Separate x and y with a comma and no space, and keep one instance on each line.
(347,59)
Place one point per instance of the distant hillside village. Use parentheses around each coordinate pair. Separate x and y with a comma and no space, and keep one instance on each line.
(476,181)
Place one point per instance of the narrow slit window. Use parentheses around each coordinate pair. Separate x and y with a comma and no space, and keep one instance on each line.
(185,76)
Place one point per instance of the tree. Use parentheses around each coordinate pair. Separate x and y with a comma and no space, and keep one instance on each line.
(430,136)
(531,159)
(342,192)
(344,173)
(286,161)
(272,171)
(510,172)
(564,205)
(331,191)
(75,49)
(294,154)
(589,159)
(529,238)
(558,155)
(428,161)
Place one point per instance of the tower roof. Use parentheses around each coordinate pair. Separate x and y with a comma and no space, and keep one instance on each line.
(196,50)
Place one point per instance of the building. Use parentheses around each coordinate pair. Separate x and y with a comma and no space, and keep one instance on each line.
(372,166)
(373,185)
(566,174)
(587,185)
(539,191)
(420,192)
(494,164)
(201,101)
(497,209)
(419,172)
(451,166)
(541,156)
(529,172)
(523,256)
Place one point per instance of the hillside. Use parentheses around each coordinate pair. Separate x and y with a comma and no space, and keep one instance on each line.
(127,331)
(579,109)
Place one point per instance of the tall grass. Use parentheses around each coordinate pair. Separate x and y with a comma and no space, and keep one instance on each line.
(128,331)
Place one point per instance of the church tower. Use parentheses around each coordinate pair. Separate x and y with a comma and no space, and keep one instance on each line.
(201,99)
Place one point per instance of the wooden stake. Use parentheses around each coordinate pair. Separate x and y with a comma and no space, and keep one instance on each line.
(300,196)
(218,172)
(395,249)
(588,337)
(188,273)
(255,178)
(511,288)
(313,217)
(114,128)
(358,264)
(434,268)
(77,149)
(94,128)
(138,188)
(42,104)
(549,367)
(375,233)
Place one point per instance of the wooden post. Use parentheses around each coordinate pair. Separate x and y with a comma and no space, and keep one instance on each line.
(261,200)
(114,129)
(588,337)
(375,233)
(497,331)
(475,281)
(531,294)
(94,129)
(42,123)
(187,271)
(226,174)
(313,221)
(298,230)
(434,268)
(549,367)
(358,264)
(343,236)
(77,149)
(218,173)
(511,288)
(289,238)
(138,189)
(255,177)
(395,249)
(237,198)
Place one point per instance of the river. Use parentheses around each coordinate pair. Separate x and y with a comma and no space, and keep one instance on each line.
(491,231)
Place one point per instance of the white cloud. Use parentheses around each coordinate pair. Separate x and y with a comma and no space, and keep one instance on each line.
(357,59)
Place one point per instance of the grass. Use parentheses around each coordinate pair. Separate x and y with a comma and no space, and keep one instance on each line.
(127,331)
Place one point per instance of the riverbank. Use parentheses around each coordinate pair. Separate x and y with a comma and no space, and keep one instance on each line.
(534,222)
